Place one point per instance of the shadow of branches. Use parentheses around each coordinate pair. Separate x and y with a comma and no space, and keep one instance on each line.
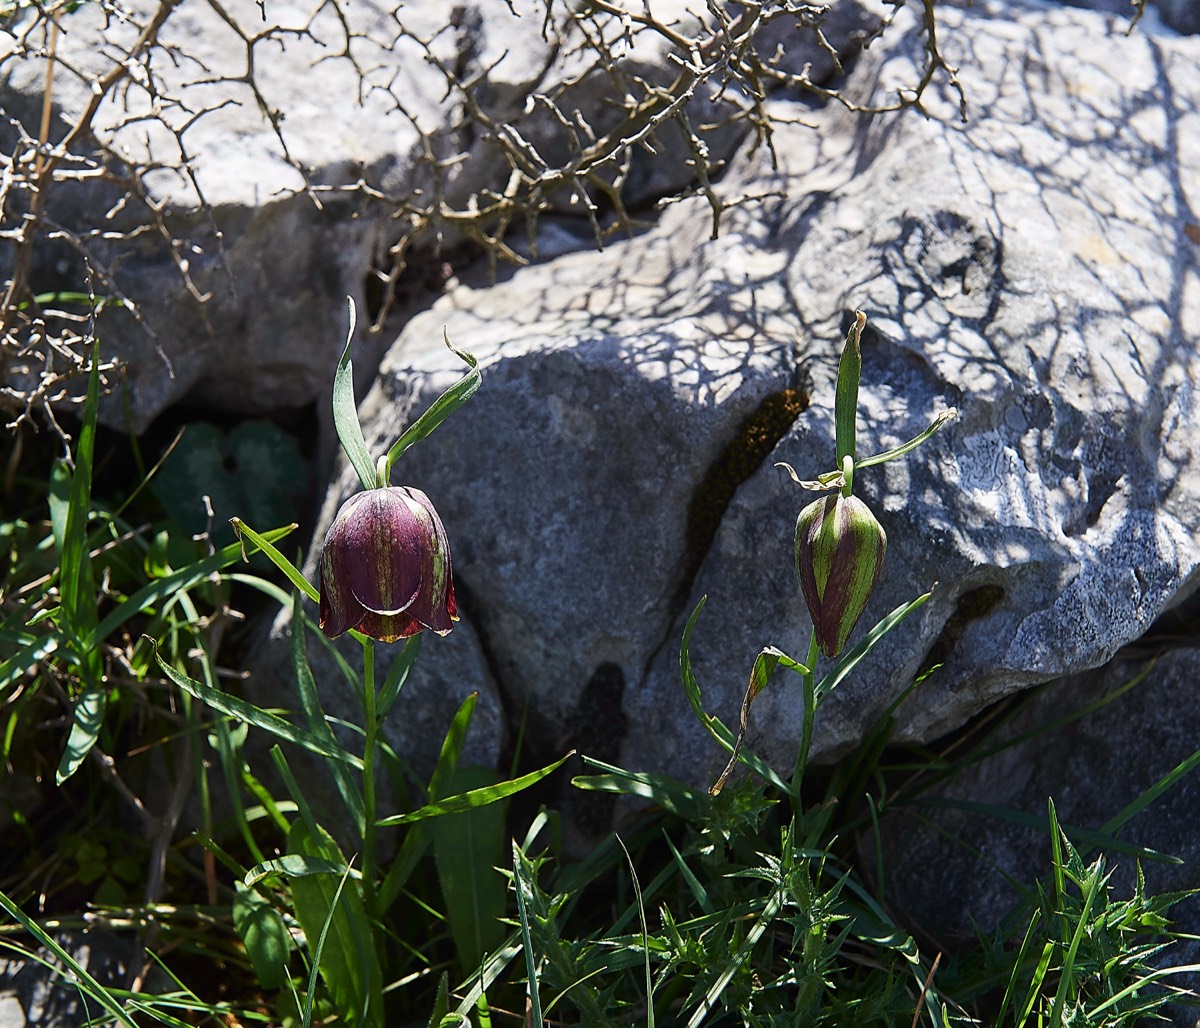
(140,130)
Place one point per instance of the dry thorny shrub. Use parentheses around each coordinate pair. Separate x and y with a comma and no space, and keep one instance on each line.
(616,87)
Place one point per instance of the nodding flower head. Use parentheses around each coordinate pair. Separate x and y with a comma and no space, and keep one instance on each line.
(385,567)
(839,553)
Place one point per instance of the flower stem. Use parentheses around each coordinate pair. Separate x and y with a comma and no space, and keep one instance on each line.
(371,728)
(810,705)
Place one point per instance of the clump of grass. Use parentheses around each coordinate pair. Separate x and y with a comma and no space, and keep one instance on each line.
(756,902)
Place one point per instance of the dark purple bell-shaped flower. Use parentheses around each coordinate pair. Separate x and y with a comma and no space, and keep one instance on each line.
(385,567)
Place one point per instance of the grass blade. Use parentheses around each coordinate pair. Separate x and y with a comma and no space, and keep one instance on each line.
(476,797)
(331,913)
(166,589)
(850,659)
(244,711)
(519,884)
(439,410)
(711,723)
(79,603)
(310,703)
(85,727)
(345,413)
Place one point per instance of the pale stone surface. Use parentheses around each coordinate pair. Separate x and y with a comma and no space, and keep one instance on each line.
(564,484)
(1031,267)
(263,121)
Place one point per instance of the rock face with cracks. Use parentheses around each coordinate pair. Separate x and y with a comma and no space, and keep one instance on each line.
(1034,267)
(247,165)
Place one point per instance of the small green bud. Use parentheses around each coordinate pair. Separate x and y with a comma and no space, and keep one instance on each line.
(839,553)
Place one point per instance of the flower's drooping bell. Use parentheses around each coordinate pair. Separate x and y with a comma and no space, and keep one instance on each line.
(385,567)
(839,553)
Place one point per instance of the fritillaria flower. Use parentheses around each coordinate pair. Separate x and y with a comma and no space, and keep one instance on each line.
(839,553)
(385,567)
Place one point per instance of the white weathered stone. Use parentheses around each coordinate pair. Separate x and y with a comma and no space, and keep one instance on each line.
(259,163)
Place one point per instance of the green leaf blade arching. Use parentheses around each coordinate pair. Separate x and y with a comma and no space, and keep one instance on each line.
(439,410)
(330,910)
(345,414)
(845,404)
(85,728)
(467,849)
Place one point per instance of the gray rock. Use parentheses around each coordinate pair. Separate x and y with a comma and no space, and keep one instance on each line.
(1181,15)
(284,146)
(1093,743)
(1032,267)
(565,483)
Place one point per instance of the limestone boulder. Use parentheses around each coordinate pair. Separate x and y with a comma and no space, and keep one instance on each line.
(258,163)
(1034,266)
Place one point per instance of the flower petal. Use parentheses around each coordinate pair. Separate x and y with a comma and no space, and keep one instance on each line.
(381,552)
(434,606)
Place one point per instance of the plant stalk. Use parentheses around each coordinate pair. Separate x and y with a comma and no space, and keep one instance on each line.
(810,703)
(371,727)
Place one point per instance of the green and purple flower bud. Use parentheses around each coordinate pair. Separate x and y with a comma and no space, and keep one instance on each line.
(839,553)
(385,567)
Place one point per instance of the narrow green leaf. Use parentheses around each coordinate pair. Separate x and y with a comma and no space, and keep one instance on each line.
(347,959)
(78,974)
(244,711)
(441,1002)
(438,411)
(294,865)
(416,843)
(850,658)
(641,909)
(263,543)
(447,762)
(165,589)
(79,603)
(949,414)
(1066,981)
(345,413)
(475,797)
(294,790)
(29,654)
(711,723)
(661,790)
(1018,968)
(264,935)
(85,727)
(310,703)
(520,886)
(1131,810)
(845,403)
(467,848)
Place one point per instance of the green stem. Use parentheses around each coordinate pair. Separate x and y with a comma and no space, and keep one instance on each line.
(371,727)
(810,703)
